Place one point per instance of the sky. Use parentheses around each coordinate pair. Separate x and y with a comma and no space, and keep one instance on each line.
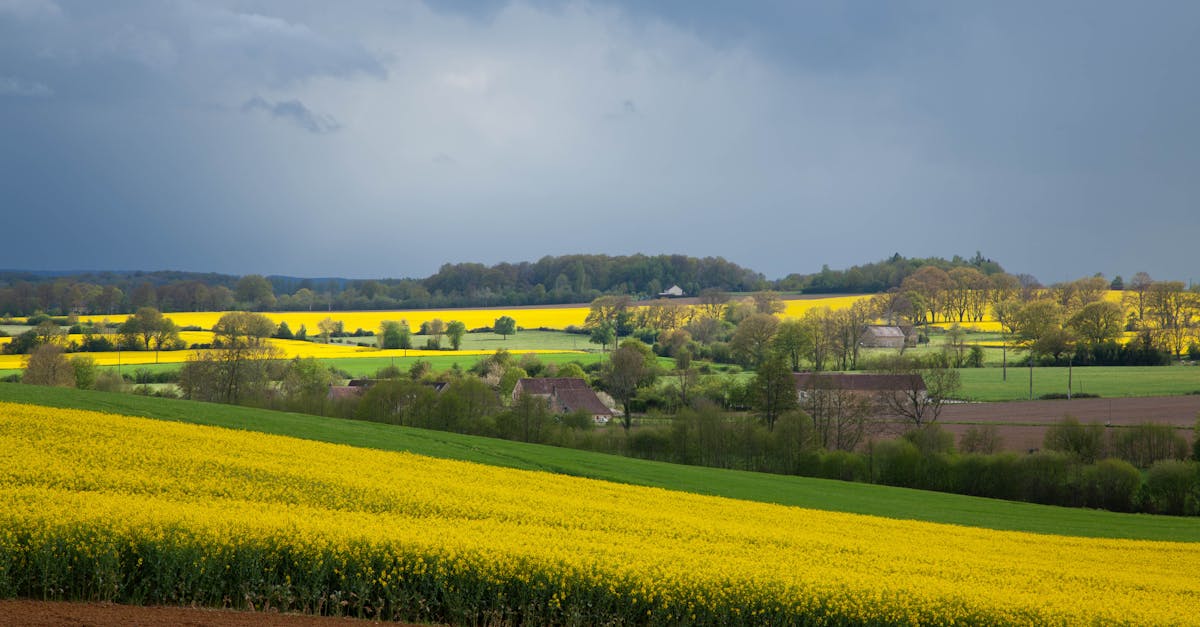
(380,138)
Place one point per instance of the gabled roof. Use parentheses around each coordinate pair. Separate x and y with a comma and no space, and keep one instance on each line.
(549,385)
(575,399)
(337,392)
(882,331)
(858,382)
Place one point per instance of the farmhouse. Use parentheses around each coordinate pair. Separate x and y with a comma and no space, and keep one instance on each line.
(671,292)
(565,395)
(881,336)
(864,384)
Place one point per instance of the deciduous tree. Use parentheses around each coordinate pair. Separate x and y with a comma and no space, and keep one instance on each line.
(505,326)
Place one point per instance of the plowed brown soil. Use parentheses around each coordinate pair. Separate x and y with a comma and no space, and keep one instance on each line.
(1022,425)
(55,614)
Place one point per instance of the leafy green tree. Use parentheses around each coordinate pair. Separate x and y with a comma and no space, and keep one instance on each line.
(397,401)
(752,341)
(255,291)
(793,340)
(1086,442)
(1097,322)
(455,330)
(774,389)
(394,335)
(613,310)
(505,326)
(284,332)
(138,329)
(305,385)
(83,367)
(328,327)
(166,335)
(603,334)
(631,367)
(235,370)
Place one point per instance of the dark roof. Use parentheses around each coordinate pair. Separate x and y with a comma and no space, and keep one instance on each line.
(574,399)
(438,386)
(344,391)
(547,386)
(882,331)
(858,382)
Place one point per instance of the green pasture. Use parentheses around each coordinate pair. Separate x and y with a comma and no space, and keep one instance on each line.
(794,491)
(988,384)
(522,340)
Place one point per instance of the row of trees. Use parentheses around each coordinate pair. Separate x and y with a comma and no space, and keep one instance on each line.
(147,329)
(571,278)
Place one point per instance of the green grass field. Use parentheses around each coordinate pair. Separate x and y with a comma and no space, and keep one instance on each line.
(523,340)
(987,384)
(795,491)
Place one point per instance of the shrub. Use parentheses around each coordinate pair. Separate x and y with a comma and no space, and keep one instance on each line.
(931,439)
(48,366)
(980,439)
(84,370)
(1147,443)
(896,463)
(843,465)
(649,443)
(1044,477)
(1085,442)
(1112,484)
(109,381)
(1173,487)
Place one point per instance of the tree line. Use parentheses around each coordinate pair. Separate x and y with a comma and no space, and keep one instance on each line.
(550,280)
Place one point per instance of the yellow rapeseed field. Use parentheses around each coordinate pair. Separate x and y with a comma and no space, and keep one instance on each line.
(529,318)
(106,507)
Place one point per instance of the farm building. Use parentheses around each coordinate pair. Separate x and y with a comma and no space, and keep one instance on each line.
(882,336)
(865,384)
(671,292)
(565,395)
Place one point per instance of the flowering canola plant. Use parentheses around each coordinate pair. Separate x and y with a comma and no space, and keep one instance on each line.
(104,507)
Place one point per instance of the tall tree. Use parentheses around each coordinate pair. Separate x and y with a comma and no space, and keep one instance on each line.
(255,291)
(928,384)
(235,370)
(455,330)
(773,389)
(752,339)
(631,367)
(1097,322)
(505,326)
(47,365)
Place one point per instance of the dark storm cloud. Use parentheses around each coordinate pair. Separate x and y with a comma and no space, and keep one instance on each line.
(1061,139)
(295,112)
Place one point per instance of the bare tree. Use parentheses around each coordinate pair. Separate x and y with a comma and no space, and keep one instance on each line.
(47,365)
(841,419)
(924,386)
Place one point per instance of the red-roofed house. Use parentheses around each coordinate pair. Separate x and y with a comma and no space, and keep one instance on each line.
(566,395)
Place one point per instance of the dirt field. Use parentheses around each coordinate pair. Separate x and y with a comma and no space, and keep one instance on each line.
(1022,425)
(55,614)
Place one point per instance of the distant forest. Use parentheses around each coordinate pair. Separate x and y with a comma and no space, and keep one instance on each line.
(550,280)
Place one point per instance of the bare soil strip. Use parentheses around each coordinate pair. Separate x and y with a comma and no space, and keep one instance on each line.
(60,613)
(1022,425)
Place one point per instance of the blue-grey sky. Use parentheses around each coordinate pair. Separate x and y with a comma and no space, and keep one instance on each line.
(384,138)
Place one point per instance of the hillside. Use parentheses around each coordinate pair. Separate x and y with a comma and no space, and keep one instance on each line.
(181,514)
(784,490)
